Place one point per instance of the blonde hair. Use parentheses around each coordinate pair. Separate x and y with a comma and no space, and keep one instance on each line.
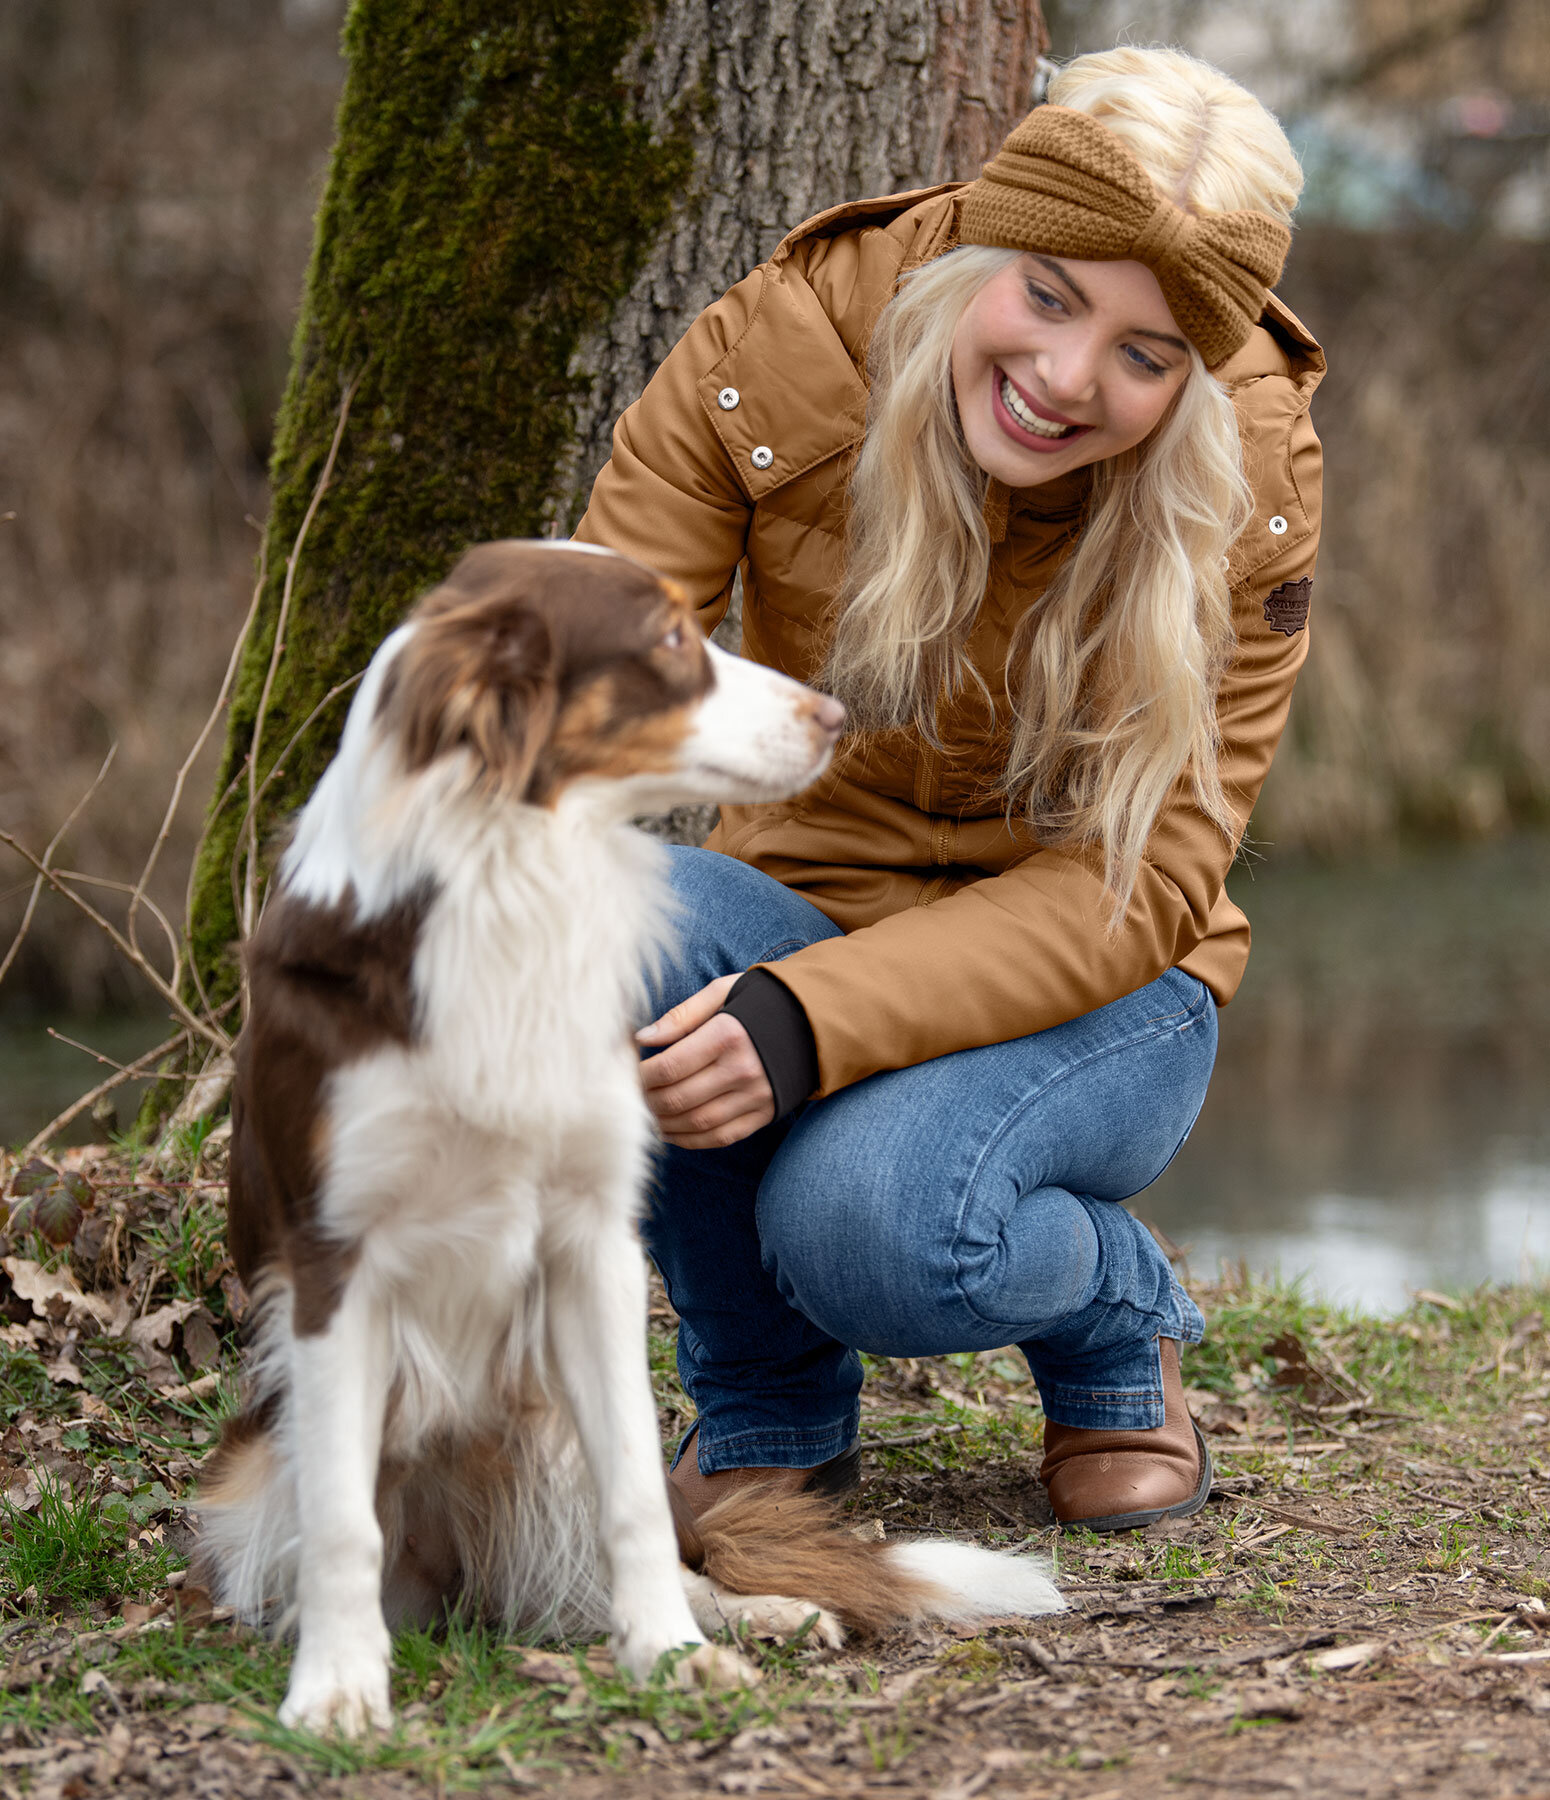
(1114,668)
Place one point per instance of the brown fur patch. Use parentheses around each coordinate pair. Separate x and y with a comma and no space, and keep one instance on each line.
(547,665)
(760,1541)
(479,677)
(325,990)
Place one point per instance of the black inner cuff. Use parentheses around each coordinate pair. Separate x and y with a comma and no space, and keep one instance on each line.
(773,1017)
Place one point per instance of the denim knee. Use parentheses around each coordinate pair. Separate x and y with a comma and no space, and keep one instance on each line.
(851,1270)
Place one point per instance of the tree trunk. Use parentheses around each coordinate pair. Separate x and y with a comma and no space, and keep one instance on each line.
(526,206)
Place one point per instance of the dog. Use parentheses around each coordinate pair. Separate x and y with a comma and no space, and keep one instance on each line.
(439,1145)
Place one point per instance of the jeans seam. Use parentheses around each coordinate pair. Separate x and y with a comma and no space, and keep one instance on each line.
(1139,1037)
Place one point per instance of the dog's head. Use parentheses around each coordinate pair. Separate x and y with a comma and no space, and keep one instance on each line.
(542,670)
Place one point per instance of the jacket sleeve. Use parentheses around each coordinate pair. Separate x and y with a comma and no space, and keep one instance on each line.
(1030,948)
(669,495)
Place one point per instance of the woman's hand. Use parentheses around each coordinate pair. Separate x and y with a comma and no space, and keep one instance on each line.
(709,1089)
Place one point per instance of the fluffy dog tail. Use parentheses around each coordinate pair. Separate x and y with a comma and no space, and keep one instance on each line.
(758,1541)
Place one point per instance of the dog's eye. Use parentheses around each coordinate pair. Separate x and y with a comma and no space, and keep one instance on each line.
(674,639)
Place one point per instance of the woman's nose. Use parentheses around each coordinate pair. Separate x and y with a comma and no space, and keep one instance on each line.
(1070,372)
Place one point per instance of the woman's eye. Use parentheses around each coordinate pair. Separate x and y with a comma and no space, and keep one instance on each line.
(1043,299)
(1140,360)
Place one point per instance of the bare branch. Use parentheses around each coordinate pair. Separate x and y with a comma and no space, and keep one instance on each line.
(108,1061)
(176,799)
(200,1027)
(174,948)
(48,855)
(142,1065)
(246,916)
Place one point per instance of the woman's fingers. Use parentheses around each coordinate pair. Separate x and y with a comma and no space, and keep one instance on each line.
(717,1137)
(720,1040)
(718,1078)
(709,1089)
(688,1015)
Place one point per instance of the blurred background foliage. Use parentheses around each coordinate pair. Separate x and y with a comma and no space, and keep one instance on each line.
(1383,1076)
(159,168)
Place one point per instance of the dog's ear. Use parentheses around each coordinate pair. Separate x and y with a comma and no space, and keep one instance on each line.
(481,678)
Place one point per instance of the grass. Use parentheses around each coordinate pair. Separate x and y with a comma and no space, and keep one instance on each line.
(66,1555)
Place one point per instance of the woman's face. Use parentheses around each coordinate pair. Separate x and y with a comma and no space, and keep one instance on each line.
(1059,363)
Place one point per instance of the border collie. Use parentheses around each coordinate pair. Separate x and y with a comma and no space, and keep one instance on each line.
(439,1147)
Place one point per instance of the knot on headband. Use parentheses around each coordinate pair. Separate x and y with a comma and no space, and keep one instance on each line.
(1065,185)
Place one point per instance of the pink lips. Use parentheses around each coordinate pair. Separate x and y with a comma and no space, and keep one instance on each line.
(1017,432)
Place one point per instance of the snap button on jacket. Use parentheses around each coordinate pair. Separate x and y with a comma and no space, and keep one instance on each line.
(961,929)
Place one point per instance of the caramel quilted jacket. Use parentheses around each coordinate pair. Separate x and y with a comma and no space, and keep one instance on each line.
(961,929)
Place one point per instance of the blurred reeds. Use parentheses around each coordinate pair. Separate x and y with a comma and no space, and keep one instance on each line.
(158,171)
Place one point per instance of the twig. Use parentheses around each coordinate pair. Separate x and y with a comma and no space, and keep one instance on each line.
(174,999)
(140,1066)
(176,799)
(124,887)
(246,917)
(48,854)
(913,1437)
(97,1055)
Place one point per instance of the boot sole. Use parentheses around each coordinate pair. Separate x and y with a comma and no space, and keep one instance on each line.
(1135,1520)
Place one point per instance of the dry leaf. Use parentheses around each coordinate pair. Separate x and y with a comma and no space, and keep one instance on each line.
(53,1293)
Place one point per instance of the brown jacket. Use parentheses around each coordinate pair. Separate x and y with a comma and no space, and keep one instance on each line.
(961,929)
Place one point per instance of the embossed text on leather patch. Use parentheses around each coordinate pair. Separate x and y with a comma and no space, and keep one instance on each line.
(1286,607)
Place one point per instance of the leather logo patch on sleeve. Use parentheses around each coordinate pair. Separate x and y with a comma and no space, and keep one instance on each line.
(1286,607)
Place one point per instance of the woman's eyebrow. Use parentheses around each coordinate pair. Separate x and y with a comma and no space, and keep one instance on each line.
(1163,337)
(1062,274)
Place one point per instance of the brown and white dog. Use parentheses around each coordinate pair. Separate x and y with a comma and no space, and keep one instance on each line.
(440,1143)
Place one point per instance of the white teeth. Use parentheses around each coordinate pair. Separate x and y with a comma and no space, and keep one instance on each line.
(1029,420)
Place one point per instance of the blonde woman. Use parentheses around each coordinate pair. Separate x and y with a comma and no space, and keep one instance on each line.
(1023,472)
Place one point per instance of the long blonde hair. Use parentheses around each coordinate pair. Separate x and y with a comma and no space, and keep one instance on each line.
(1114,668)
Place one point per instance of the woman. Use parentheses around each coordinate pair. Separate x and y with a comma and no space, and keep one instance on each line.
(1023,472)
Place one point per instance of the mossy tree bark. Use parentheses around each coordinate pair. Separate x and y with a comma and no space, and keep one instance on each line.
(526,206)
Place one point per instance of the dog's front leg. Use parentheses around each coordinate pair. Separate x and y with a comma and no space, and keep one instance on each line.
(338,1392)
(597,1324)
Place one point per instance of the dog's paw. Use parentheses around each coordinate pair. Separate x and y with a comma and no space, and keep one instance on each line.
(337,1692)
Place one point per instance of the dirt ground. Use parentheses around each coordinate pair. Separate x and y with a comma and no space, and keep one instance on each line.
(1361,1610)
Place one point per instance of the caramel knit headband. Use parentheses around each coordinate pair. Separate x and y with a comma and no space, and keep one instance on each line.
(1066,185)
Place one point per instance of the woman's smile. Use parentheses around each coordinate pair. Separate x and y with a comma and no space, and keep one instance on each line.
(1025,421)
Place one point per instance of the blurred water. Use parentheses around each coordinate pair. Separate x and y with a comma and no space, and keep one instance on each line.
(1380,1116)
(40,1076)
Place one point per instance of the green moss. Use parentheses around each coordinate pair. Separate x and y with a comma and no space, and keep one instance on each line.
(493,192)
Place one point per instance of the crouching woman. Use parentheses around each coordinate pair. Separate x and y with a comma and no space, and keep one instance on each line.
(1023,471)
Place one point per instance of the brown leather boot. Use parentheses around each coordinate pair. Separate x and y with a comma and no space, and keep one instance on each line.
(1118,1480)
(839,1475)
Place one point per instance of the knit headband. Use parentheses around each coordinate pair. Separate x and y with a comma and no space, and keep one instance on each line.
(1066,185)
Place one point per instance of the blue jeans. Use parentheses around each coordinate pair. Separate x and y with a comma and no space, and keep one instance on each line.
(963,1204)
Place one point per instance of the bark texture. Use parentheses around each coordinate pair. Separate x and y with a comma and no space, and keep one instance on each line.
(805,103)
(526,206)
